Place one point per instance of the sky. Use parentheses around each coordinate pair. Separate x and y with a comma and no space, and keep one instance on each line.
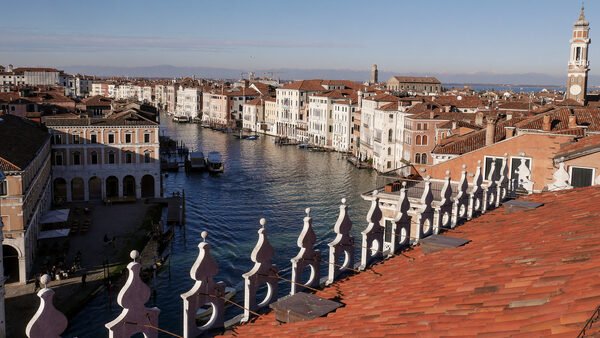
(425,36)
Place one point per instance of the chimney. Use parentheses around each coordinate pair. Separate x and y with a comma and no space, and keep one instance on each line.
(572,120)
(360,98)
(546,125)
(510,132)
(453,125)
(490,131)
(479,119)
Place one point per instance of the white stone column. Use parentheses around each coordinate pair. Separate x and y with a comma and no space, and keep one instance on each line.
(22,270)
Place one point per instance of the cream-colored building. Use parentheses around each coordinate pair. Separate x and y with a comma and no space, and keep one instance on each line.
(105,158)
(25,194)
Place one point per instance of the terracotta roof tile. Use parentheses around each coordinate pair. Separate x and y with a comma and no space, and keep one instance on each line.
(510,280)
(20,142)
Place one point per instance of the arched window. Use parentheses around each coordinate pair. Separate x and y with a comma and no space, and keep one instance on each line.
(423,158)
(418,140)
(94,157)
(418,158)
(424,140)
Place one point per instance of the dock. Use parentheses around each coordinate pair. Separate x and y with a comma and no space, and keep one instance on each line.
(175,207)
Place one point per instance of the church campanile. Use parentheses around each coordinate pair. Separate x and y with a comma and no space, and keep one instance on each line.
(578,63)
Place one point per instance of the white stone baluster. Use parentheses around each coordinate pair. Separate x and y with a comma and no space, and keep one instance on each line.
(476,194)
(502,182)
(263,272)
(135,317)
(489,195)
(47,322)
(204,291)
(460,206)
(524,175)
(372,236)
(561,179)
(443,210)
(425,214)
(343,244)
(401,230)
(307,257)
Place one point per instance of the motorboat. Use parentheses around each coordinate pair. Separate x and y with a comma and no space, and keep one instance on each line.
(252,137)
(181,119)
(196,162)
(214,162)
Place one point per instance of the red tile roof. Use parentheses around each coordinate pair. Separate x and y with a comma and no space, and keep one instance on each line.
(589,117)
(534,273)
(580,146)
(473,141)
(20,142)
(417,79)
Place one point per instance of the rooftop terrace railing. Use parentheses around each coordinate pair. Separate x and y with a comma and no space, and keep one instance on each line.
(421,207)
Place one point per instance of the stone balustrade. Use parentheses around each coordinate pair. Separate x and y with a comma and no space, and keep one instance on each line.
(413,221)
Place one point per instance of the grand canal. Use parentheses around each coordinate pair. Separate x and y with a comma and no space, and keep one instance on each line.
(261,179)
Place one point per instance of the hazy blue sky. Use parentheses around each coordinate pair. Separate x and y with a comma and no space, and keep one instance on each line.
(438,36)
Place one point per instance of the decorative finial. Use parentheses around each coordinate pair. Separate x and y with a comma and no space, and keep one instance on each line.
(134,255)
(375,192)
(307,211)
(427,178)
(344,200)
(204,234)
(403,184)
(263,222)
(44,280)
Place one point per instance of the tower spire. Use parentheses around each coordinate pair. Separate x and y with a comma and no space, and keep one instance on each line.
(582,14)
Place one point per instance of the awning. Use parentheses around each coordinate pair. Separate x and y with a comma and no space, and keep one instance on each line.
(56,216)
(54,233)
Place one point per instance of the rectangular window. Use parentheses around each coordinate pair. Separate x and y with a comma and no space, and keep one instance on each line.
(146,138)
(93,138)
(76,158)
(128,157)
(488,166)
(515,162)
(75,139)
(3,188)
(127,138)
(581,177)
(146,157)
(58,159)
(111,138)
(111,158)
(57,139)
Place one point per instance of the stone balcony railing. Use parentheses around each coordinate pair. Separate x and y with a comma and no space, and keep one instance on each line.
(420,208)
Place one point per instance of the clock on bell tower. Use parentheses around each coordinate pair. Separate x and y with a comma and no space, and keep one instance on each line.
(578,63)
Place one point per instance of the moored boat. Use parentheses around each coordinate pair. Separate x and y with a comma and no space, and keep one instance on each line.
(196,162)
(214,162)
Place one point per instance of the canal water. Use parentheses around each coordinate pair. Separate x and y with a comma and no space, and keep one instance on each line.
(261,179)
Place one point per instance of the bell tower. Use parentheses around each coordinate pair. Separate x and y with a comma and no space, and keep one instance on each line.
(578,63)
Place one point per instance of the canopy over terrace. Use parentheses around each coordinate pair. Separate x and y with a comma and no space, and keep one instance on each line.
(56,216)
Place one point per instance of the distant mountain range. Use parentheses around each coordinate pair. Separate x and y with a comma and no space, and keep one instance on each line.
(167,71)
